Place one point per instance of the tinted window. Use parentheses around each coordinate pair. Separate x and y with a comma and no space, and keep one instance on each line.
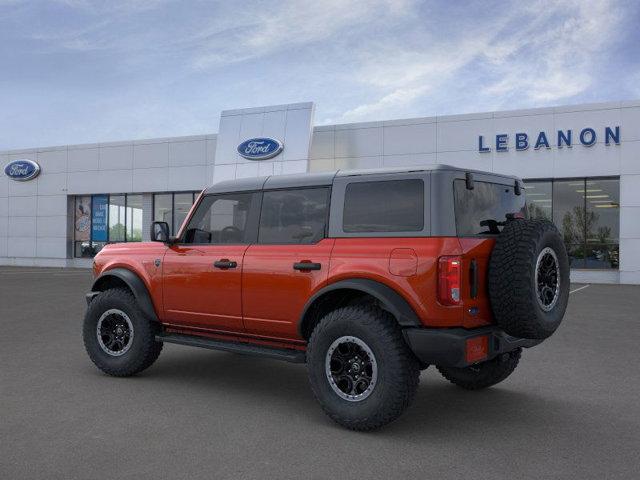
(220,219)
(387,206)
(484,209)
(294,216)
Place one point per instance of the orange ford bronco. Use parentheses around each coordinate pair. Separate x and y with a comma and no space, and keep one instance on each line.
(366,276)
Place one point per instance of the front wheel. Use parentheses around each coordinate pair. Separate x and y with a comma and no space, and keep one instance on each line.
(485,374)
(118,337)
(361,371)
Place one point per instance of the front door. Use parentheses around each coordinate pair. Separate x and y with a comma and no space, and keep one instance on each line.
(288,263)
(202,272)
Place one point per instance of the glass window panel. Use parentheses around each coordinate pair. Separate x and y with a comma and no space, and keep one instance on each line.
(576,255)
(568,210)
(402,209)
(484,209)
(134,218)
(601,256)
(182,205)
(117,217)
(603,211)
(220,219)
(539,199)
(294,216)
(82,228)
(162,209)
(83,249)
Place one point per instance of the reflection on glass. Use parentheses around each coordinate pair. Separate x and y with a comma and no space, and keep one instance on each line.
(603,228)
(117,218)
(568,210)
(134,218)
(182,203)
(539,199)
(162,209)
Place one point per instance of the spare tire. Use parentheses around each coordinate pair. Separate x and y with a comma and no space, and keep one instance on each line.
(529,278)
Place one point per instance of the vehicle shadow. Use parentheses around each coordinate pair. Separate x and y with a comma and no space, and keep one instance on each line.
(440,410)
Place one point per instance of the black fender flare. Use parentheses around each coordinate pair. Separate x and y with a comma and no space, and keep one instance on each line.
(389,299)
(135,284)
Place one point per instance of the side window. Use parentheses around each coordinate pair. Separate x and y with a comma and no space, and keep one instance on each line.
(220,219)
(384,206)
(294,216)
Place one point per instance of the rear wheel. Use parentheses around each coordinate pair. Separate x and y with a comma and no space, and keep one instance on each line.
(360,369)
(485,374)
(118,337)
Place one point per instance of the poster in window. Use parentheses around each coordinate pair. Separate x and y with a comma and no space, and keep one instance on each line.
(99,218)
(83,219)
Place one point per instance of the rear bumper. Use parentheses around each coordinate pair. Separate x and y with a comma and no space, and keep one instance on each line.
(447,347)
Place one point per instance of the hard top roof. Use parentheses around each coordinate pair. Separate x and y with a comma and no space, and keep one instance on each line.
(325,178)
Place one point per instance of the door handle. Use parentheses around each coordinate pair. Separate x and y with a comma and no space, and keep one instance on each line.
(306,265)
(225,263)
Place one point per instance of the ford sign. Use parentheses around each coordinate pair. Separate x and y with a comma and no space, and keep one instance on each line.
(260,148)
(22,170)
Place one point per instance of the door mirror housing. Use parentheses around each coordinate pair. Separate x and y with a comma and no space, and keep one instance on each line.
(160,232)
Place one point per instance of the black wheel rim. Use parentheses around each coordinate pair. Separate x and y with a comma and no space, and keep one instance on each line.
(547,279)
(114,332)
(351,368)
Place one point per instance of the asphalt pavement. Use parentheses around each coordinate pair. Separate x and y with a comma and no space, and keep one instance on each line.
(570,410)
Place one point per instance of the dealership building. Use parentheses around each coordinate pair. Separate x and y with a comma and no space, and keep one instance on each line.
(581,165)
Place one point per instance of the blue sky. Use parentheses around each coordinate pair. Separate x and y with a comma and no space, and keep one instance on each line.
(79,71)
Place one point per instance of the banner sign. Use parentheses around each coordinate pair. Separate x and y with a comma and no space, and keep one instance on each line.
(99,218)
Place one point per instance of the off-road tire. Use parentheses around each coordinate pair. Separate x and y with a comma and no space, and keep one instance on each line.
(144,349)
(398,369)
(484,374)
(512,279)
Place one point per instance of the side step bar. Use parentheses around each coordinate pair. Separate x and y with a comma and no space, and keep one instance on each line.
(286,354)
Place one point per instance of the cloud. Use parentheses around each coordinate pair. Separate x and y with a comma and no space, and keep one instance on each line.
(257,32)
(541,53)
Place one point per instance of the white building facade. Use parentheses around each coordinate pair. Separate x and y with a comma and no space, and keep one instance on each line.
(581,165)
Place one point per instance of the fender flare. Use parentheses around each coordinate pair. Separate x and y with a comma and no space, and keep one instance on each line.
(389,299)
(135,284)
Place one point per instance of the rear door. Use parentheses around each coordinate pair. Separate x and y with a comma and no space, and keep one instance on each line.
(289,261)
(202,273)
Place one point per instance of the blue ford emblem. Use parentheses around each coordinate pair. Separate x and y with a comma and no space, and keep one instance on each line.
(260,148)
(22,170)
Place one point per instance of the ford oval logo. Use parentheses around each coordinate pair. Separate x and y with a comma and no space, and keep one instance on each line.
(22,170)
(260,148)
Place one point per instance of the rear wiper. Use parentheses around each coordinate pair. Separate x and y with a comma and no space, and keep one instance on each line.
(493,225)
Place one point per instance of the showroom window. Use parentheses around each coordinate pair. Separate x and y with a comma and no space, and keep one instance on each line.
(587,213)
(173,208)
(102,219)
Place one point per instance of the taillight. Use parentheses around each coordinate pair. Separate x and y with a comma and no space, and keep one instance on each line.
(449,273)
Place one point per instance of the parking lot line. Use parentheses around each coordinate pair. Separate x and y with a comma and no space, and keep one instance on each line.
(579,288)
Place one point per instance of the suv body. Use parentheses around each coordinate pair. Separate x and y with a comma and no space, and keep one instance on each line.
(259,262)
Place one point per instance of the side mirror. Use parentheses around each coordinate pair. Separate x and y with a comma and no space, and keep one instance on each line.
(160,232)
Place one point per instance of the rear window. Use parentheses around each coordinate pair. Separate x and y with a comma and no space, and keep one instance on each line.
(483,210)
(384,206)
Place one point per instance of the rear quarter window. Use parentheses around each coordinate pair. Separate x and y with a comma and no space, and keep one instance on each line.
(384,206)
(483,210)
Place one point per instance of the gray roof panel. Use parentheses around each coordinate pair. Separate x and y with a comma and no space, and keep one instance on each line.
(326,178)
(300,180)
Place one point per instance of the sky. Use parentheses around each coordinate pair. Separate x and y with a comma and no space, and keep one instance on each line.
(80,71)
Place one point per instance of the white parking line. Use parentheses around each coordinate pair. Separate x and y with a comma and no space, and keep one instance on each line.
(579,288)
